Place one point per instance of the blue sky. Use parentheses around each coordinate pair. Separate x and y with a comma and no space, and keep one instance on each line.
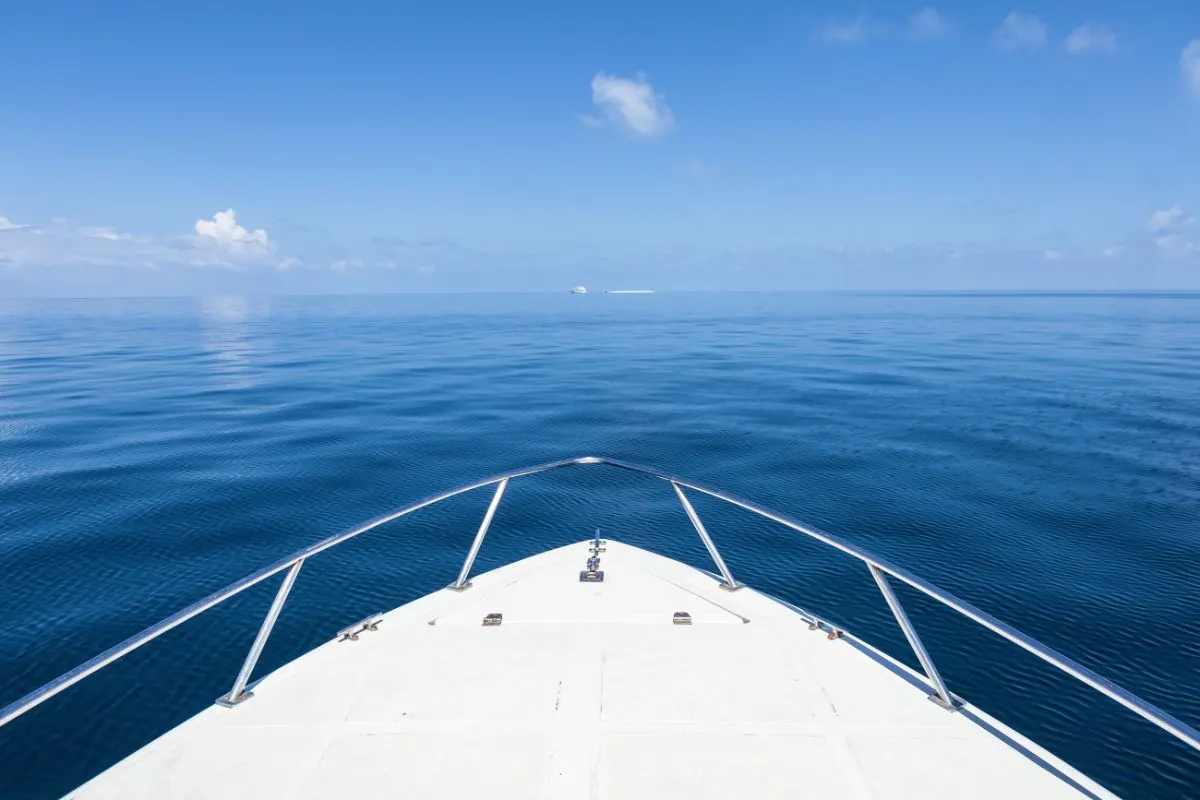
(178,148)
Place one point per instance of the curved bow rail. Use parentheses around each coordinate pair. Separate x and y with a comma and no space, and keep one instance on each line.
(881,570)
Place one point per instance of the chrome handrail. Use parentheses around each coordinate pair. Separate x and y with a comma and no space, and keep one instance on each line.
(880,568)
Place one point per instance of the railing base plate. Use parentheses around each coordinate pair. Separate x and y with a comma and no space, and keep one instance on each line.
(225,702)
(937,700)
(456,588)
(731,587)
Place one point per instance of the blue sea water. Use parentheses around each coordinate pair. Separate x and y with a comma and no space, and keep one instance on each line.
(1038,456)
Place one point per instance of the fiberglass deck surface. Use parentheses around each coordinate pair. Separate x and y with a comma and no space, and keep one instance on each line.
(588,690)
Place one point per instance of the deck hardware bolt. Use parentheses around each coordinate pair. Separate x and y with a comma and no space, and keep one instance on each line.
(593,573)
(351,632)
(834,634)
(681,618)
(492,620)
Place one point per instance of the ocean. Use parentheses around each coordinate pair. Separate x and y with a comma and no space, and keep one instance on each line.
(1036,455)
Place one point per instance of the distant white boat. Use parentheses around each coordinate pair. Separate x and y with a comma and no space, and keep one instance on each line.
(579,290)
(629,291)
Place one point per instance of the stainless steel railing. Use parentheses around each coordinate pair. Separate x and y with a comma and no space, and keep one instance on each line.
(880,569)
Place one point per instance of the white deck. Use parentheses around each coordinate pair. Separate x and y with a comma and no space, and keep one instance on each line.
(587,690)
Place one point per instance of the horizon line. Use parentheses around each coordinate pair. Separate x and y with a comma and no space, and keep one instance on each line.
(549,293)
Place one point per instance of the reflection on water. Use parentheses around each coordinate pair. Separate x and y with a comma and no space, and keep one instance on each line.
(229,336)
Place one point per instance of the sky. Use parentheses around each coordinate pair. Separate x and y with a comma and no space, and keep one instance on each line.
(301,147)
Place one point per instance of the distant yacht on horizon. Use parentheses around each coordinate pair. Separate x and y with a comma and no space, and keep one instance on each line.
(579,290)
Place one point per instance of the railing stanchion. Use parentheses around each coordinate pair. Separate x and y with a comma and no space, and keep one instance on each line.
(461,584)
(942,698)
(728,583)
(238,693)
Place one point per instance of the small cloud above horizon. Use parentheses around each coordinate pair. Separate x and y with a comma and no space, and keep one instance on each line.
(1091,38)
(1189,65)
(1165,238)
(110,234)
(1020,31)
(845,31)
(929,23)
(1171,229)
(218,242)
(1168,219)
(224,229)
(631,105)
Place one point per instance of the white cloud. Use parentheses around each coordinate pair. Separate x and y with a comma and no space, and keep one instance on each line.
(1112,251)
(632,105)
(1168,219)
(928,23)
(1175,245)
(1189,64)
(1052,255)
(219,242)
(1171,228)
(1020,31)
(224,229)
(104,233)
(845,32)
(1091,38)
